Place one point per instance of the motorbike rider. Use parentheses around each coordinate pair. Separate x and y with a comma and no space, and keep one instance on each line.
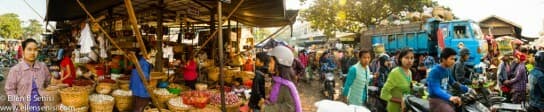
(284,95)
(536,84)
(347,61)
(460,70)
(357,81)
(440,77)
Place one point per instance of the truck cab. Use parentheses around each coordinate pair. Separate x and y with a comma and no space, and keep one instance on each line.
(463,34)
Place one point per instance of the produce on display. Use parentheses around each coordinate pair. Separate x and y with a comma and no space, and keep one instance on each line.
(230,98)
(176,104)
(163,95)
(198,99)
(101,103)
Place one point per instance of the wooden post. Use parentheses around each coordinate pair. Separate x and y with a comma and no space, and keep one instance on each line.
(158,57)
(137,66)
(215,32)
(221,56)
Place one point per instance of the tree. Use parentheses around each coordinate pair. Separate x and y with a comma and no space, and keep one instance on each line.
(10,26)
(33,29)
(356,15)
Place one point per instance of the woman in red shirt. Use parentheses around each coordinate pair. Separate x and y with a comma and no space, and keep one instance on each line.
(67,69)
(189,72)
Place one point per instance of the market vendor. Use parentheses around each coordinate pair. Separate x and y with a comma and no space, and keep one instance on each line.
(140,94)
(189,71)
(67,68)
(26,78)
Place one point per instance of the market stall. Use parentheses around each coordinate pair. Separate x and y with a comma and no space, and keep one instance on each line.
(104,33)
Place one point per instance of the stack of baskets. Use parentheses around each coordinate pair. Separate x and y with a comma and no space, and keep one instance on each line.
(123,100)
(101,103)
(74,97)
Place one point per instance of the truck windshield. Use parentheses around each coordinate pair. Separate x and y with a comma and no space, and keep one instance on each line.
(477,31)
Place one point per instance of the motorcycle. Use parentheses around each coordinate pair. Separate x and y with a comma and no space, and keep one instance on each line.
(471,103)
(329,84)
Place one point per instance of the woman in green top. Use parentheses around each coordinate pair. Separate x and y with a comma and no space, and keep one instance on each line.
(398,81)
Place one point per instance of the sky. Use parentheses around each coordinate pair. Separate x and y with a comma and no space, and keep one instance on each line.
(526,13)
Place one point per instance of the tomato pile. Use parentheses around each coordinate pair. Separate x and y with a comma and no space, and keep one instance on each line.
(198,99)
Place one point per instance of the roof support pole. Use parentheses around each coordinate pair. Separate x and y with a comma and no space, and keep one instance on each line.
(221,55)
(158,57)
(215,32)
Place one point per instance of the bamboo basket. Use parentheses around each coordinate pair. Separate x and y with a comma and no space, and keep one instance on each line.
(155,110)
(64,108)
(123,103)
(213,73)
(53,98)
(106,106)
(74,97)
(104,88)
(208,108)
(175,108)
(163,99)
(231,108)
(89,88)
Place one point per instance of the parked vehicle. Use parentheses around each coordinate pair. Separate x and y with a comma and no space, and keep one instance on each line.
(429,36)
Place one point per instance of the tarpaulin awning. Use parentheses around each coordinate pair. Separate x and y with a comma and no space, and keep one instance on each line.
(258,13)
(60,10)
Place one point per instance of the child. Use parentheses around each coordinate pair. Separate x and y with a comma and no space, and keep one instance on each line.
(238,88)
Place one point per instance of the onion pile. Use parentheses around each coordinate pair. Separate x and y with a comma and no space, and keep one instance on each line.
(230,98)
(178,101)
(99,98)
(122,93)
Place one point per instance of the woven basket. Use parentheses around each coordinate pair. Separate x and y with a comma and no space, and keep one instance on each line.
(163,99)
(74,97)
(156,110)
(64,108)
(52,98)
(89,88)
(123,103)
(201,86)
(234,107)
(174,108)
(104,88)
(207,109)
(106,106)
(125,87)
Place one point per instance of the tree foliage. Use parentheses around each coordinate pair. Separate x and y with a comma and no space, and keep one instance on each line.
(356,15)
(10,26)
(33,29)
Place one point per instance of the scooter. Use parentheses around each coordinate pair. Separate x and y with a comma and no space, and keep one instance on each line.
(470,103)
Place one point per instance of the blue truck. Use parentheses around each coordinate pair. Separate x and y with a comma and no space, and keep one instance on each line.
(424,37)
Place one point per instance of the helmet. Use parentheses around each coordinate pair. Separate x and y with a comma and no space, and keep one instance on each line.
(464,51)
(283,55)
(539,59)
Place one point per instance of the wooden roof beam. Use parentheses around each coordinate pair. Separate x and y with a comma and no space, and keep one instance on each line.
(202,4)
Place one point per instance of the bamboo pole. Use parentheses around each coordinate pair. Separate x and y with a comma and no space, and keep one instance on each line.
(132,58)
(220,27)
(134,23)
